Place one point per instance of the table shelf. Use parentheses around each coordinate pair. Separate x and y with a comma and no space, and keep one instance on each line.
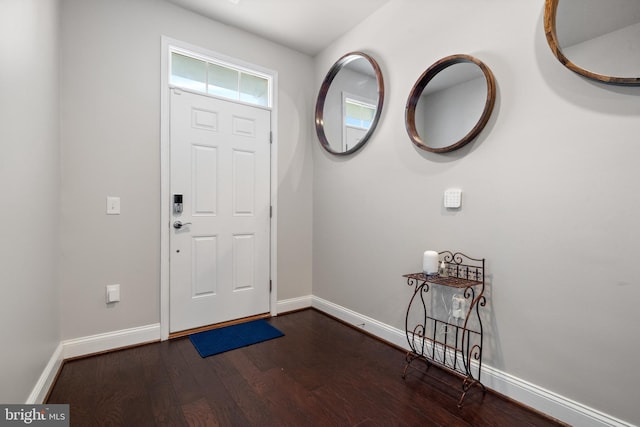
(454,342)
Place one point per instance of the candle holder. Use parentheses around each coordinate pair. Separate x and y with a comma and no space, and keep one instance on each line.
(430,263)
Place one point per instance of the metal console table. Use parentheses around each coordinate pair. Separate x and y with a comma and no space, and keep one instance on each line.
(454,340)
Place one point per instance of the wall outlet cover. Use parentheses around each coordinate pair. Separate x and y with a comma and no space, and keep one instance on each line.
(113,293)
(113,205)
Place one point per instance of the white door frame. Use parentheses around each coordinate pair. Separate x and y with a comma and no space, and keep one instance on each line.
(165,179)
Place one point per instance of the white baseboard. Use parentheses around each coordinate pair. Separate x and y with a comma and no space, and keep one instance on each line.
(294,304)
(110,341)
(48,376)
(548,402)
(529,394)
(85,346)
(381,330)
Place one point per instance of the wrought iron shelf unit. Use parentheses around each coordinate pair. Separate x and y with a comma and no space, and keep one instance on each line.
(454,340)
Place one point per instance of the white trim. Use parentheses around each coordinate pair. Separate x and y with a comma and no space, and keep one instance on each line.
(553,404)
(110,341)
(165,185)
(545,401)
(86,346)
(221,98)
(165,182)
(48,376)
(274,196)
(294,304)
(383,331)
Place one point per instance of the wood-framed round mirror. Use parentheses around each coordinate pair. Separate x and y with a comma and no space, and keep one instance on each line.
(450,103)
(598,39)
(349,103)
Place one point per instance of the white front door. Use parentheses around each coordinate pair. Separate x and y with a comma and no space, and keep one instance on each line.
(220,166)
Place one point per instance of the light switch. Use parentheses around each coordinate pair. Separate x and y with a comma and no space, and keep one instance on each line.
(113,205)
(452,198)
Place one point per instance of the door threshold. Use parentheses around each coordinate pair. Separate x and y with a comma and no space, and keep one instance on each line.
(184,333)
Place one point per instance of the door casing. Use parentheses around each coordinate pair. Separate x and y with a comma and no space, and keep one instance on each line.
(165,184)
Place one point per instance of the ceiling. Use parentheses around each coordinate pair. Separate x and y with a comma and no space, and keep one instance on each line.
(307,26)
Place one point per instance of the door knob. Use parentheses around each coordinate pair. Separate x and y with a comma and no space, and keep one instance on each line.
(179,224)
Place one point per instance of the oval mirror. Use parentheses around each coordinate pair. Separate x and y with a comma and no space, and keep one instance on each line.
(349,103)
(599,39)
(450,103)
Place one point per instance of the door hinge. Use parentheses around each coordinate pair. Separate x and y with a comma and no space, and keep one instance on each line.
(270,211)
(270,285)
(270,137)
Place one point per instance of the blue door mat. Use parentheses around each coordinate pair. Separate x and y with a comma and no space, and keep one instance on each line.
(231,337)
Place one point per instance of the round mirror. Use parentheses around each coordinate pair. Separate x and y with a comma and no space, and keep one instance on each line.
(599,39)
(450,103)
(349,103)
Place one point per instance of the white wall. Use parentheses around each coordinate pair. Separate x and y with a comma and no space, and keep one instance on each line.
(550,199)
(30,182)
(110,89)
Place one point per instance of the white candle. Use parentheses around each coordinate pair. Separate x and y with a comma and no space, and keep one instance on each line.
(430,262)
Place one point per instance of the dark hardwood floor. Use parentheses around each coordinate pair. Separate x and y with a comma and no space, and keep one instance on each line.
(321,373)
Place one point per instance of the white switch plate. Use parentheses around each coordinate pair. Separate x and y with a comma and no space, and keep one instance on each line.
(453,198)
(113,293)
(113,205)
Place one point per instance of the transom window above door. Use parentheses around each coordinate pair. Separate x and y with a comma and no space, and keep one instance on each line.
(199,74)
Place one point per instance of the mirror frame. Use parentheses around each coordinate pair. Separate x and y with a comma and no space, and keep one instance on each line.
(550,13)
(324,89)
(425,78)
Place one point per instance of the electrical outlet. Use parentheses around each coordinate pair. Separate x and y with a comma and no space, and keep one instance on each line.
(458,306)
(113,205)
(113,293)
